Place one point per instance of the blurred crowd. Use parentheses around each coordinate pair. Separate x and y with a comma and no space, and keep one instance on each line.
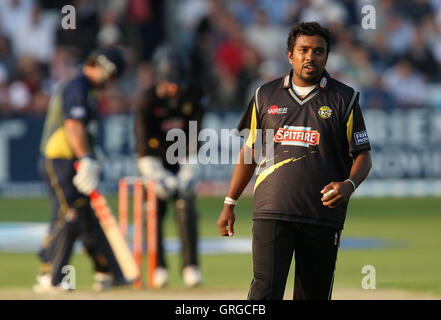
(230,46)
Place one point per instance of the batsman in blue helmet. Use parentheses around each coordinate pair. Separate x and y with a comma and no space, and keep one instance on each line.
(69,133)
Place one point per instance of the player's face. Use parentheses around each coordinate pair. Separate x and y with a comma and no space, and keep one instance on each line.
(167,89)
(104,77)
(308,59)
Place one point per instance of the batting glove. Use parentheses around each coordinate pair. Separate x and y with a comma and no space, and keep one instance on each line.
(87,178)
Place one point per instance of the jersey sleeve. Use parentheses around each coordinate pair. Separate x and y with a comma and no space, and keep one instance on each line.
(75,102)
(249,124)
(356,132)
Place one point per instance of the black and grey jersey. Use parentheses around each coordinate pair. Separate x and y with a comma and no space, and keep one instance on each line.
(314,141)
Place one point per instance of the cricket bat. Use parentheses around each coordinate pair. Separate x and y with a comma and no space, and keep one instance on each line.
(113,234)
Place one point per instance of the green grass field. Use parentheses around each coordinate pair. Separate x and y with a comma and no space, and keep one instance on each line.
(412,263)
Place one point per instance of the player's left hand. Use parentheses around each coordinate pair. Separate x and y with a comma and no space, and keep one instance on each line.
(166,185)
(188,177)
(341,193)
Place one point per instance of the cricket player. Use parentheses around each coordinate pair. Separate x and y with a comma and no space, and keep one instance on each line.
(321,155)
(69,133)
(172,103)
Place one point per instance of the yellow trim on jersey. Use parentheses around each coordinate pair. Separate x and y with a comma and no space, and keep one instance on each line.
(265,173)
(349,125)
(58,147)
(253,128)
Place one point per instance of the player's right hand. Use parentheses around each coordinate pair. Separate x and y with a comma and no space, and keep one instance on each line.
(225,223)
(166,182)
(341,192)
(87,178)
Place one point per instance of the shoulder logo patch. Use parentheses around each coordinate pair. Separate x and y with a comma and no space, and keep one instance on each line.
(324,112)
(361,137)
(187,108)
(78,112)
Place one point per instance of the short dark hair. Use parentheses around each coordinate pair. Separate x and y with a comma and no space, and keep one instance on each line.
(308,29)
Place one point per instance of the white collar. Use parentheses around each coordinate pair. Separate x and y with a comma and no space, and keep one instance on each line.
(302,91)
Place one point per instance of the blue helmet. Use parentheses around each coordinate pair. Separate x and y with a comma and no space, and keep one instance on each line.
(111,59)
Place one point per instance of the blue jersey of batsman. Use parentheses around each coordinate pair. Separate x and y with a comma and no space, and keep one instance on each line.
(78,100)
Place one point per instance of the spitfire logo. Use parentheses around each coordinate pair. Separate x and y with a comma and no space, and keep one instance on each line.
(276,110)
(297,136)
(324,112)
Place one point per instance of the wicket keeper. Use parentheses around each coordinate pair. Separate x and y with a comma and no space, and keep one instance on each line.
(171,104)
(69,133)
(321,155)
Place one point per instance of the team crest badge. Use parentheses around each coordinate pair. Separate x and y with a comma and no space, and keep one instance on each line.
(324,112)
(187,108)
